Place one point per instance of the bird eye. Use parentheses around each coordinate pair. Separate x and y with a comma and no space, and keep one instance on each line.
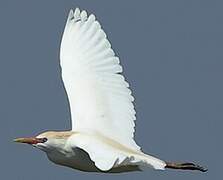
(44,140)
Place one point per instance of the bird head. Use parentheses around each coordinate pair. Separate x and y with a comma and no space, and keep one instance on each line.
(46,141)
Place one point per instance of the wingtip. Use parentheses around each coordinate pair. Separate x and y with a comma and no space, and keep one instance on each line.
(74,14)
(71,12)
(83,15)
(77,9)
(70,15)
(77,12)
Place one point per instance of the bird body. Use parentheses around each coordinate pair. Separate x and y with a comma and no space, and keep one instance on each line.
(79,150)
(101,106)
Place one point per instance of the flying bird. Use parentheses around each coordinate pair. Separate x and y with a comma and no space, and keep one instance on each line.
(101,106)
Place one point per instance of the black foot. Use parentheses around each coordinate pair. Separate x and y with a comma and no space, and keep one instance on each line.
(185,166)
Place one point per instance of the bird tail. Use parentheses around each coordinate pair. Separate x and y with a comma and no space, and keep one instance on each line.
(145,161)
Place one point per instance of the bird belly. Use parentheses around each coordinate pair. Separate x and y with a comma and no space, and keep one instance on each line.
(77,159)
(80,160)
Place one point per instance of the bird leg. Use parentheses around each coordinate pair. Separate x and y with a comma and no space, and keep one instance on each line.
(185,166)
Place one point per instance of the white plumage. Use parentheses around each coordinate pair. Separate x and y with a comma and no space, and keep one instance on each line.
(99,97)
(101,105)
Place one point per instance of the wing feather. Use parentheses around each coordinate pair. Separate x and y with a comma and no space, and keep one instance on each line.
(100,98)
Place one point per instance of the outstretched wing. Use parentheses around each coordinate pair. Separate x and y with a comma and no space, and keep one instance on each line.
(99,97)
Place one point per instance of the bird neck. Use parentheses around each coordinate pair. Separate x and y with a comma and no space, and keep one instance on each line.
(56,140)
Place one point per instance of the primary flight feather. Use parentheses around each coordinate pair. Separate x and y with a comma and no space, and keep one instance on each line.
(101,105)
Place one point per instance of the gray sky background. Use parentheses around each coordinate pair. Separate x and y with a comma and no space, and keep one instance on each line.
(172,56)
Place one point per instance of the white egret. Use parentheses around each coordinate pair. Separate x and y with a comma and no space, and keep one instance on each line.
(101,105)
